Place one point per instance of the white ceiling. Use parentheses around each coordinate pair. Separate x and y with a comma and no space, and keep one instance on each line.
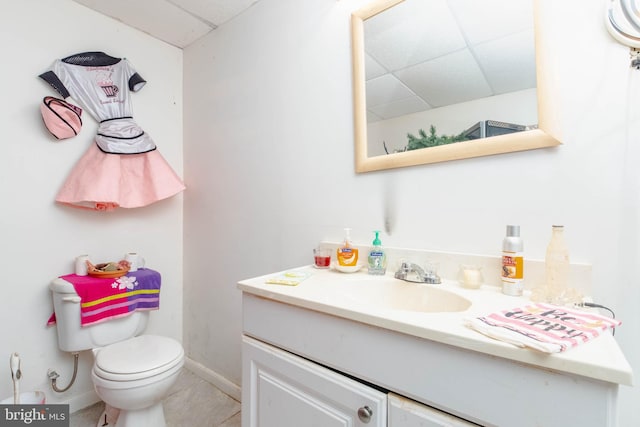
(177,22)
(424,54)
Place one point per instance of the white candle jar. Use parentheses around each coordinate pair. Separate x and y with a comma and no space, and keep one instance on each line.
(470,276)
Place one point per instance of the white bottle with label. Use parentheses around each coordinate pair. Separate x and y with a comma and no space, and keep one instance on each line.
(512,262)
(557,267)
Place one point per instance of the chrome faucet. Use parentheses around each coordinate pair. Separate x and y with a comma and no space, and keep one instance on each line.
(411,272)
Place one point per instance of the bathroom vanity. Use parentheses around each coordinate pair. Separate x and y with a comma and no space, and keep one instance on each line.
(355,350)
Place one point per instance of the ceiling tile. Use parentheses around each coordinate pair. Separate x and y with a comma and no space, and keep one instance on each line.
(509,63)
(490,19)
(399,108)
(372,117)
(215,12)
(385,89)
(405,35)
(447,80)
(160,19)
(371,68)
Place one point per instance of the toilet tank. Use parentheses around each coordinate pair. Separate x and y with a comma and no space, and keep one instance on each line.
(73,337)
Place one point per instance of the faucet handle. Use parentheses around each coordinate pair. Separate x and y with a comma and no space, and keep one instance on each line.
(403,270)
(405,266)
(431,273)
(432,278)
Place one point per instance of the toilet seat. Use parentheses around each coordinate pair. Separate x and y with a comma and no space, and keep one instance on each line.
(138,358)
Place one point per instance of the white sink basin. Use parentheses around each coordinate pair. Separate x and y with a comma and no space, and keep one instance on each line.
(393,294)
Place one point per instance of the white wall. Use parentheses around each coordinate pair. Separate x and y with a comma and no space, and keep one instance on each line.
(40,238)
(269,144)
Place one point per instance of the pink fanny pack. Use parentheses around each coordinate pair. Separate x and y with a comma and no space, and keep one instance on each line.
(61,118)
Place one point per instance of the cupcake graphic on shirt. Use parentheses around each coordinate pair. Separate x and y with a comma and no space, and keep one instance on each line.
(103,79)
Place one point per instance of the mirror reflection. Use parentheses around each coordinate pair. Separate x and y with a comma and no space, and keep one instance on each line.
(474,58)
(435,73)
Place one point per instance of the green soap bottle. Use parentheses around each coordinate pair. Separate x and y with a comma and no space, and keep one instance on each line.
(377,257)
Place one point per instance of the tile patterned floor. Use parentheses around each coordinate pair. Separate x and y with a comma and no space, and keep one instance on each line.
(193,402)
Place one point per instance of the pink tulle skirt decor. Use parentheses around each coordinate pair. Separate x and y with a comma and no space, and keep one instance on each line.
(102,181)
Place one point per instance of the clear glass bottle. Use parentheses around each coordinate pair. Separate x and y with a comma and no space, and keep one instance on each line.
(557,267)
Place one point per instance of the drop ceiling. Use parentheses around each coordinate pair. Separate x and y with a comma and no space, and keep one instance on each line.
(424,54)
(177,22)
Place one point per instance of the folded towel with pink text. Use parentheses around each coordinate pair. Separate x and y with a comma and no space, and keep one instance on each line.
(544,327)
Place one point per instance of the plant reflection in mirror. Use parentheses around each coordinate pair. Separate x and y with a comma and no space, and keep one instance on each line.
(432,140)
(426,141)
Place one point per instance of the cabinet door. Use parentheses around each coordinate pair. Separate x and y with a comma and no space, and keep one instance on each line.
(280,389)
(407,413)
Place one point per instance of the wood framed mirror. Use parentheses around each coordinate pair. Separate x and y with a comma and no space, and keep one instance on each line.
(383,128)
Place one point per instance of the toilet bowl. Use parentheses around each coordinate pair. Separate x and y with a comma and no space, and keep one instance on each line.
(135,375)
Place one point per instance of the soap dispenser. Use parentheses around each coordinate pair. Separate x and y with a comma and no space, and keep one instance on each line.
(377,257)
(346,254)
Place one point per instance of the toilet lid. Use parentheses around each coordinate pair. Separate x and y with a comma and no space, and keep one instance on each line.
(138,357)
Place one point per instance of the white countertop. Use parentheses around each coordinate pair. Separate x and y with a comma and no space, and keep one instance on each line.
(599,359)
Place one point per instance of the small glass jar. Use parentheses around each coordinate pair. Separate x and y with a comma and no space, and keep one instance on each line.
(470,276)
(322,257)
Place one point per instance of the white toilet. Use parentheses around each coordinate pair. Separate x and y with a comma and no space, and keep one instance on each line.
(131,372)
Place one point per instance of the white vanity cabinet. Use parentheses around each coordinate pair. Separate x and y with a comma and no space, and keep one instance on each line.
(283,390)
(315,357)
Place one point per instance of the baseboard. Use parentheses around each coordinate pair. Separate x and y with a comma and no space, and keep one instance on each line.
(81,401)
(88,398)
(214,378)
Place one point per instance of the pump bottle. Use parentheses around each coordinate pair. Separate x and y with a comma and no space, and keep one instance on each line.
(377,258)
(346,254)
